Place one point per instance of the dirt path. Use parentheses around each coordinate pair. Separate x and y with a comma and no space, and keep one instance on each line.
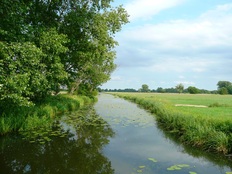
(187,105)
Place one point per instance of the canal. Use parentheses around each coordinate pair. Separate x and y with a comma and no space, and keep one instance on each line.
(113,137)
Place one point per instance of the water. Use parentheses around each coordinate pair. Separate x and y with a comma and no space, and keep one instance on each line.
(118,138)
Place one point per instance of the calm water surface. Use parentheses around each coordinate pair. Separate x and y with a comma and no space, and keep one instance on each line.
(117,137)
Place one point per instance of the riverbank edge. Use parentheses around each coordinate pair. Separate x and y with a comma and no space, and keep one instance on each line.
(207,134)
(43,114)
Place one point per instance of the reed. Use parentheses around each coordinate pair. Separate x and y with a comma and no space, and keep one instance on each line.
(42,114)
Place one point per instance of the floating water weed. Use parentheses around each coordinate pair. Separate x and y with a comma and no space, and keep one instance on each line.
(153,160)
(192,173)
(177,167)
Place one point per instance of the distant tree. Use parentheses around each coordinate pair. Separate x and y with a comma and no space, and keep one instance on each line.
(160,90)
(193,90)
(204,91)
(171,90)
(180,87)
(222,84)
(145,88)
(229,89)
(129,90)
(223,91)
(224,87)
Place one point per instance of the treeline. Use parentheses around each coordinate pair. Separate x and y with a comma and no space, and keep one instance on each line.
(224,88)
(158,90)
(45,44)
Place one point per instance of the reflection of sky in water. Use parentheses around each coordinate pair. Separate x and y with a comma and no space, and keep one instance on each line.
(137,139)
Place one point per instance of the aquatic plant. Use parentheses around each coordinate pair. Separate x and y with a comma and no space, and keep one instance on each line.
(40,115)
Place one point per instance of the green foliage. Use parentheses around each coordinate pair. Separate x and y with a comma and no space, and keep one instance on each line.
(224,87)
(193,90)
(160,90)
(41,115)
(145,88)
(52,45)
(223,91)
(29,73)
(180,88)
(92,63)
(20,74)
(45,44)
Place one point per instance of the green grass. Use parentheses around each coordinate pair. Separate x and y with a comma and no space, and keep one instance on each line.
(209,128)
(40,115)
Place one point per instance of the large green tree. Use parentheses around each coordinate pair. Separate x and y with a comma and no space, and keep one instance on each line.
(90,59)
(45,43)
(29,73)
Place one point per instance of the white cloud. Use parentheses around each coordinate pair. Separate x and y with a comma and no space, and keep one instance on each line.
(203,38)
(181,65)
(193,52)
(145,9)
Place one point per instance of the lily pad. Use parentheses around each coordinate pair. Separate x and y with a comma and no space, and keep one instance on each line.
(192,173)
(173,168)
(183,165)
(177,167)
(153,160)
(142,167)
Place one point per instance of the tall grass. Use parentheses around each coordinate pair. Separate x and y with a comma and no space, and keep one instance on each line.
(40,115)
(211,132)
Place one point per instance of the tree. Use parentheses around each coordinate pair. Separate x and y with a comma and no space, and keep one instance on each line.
(30,73)
(224,87)
(45,44)
(180,88)
(53,46)
(160,90)
(20,74)
(222,84)
(90,59)
(193,90)
(145,88)
(223,91)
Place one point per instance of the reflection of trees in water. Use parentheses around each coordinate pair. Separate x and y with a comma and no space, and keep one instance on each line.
(216,159)
(78,152)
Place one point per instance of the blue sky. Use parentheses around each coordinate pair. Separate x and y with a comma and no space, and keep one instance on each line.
(168,42)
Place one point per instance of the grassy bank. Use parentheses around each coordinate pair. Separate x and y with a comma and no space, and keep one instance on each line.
(203,121)
(40,115)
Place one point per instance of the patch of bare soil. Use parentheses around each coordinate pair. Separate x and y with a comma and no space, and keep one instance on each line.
(187,105)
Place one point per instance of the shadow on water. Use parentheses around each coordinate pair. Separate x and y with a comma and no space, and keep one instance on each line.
(79,151)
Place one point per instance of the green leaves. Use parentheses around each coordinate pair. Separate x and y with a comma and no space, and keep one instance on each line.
(46,44)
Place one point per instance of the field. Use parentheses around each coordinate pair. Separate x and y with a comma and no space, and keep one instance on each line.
(203,120)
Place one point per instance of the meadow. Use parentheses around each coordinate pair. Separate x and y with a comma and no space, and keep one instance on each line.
(199,120)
